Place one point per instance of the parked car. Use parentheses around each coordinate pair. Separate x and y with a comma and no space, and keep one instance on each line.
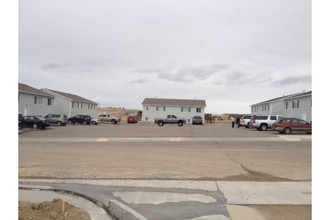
(245,121)
(197,120)
(170,119)
(35,122)
(132,119)
(80,119)
(58,119)
(109,118)
(21,121)
(95,121)
(289,125)
(264,122)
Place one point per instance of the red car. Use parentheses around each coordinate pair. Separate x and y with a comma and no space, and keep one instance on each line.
(132,119)
(289,125)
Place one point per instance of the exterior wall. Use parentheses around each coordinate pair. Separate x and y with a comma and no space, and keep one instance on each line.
(27,106)
(83,108)
(303,111)
(150,112)
(285,108)
(64,105)
(264,109)
(278,108)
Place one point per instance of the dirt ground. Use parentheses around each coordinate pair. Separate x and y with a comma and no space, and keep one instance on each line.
(53,210)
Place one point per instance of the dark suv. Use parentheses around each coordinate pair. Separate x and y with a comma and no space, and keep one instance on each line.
(58,119)
(80,119)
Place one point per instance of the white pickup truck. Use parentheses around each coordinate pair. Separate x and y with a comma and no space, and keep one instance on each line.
(108,118)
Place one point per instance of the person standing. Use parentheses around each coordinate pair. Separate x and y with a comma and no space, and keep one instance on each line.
(238,121)
(232,121)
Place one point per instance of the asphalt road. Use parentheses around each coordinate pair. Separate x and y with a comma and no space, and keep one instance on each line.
(212,152)
(146,151)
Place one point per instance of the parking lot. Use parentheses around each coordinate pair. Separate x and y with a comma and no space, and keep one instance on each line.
(211,151)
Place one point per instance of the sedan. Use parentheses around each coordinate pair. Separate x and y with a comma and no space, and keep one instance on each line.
(289,125)
(132,119)
(35,122)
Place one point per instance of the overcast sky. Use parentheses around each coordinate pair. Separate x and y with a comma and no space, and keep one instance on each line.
(231,53)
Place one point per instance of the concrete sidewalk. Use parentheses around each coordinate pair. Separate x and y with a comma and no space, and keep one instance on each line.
(169,199)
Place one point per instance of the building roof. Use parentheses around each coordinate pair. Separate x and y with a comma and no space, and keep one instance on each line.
(174,102)
(73,97)
(23,88)
(285,97)
(299,95)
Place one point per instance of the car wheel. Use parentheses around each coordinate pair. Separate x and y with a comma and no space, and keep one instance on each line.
(113,121)
(93,122)
(287,131)
(59,123)
(35,126)
(161,123)
(263,127)
(84,122)
(180,123)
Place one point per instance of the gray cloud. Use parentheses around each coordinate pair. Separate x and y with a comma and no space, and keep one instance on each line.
(243,78)
(185,74)
(55,65)
(139,81)
(292,80)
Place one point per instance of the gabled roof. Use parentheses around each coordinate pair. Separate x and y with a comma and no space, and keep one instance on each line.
(174,102)
(23,88)
(72,97)
(285,97)
(299,95)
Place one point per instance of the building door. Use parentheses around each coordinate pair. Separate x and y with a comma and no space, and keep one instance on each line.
(304,116)
(26,110)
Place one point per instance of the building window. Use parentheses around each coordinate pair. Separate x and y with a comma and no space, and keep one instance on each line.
(295,104)
(181,109)
(156,108)
(189,109)
(49,101)
(81,105)
(199,110)
(164,108)
(38,100)
(286,105)
(147,108)
(147,118)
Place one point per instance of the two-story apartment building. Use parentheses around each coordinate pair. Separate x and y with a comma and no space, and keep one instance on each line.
(160,107)
(32,101)
(297,105)
(70,104)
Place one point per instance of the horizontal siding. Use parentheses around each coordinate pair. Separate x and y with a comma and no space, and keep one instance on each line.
(27,106)
(149,113)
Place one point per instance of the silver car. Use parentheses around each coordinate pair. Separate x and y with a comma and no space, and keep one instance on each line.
(57,119)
